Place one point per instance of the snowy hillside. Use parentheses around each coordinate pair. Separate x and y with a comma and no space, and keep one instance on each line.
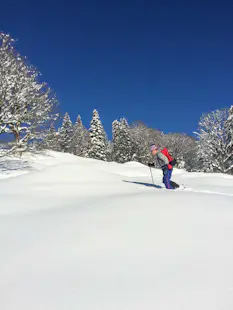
(83,234)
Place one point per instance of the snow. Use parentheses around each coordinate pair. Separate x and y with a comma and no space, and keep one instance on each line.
(84,234)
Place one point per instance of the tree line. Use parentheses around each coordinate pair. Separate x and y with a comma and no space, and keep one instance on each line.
(28,116)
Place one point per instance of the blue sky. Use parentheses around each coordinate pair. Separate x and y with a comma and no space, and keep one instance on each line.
(161,62)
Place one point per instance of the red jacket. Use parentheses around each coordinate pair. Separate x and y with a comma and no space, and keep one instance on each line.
(166,153)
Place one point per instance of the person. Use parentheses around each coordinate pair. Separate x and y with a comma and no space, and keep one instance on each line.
(166,163)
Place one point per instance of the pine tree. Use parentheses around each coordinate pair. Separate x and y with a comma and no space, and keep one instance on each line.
(115,139)
(229,130)
(109,151)
(26,104)
(65,135)
(122,146)
(80,140)
(98,139)
(51,138)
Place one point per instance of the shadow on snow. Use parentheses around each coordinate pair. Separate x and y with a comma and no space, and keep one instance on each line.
(145,184)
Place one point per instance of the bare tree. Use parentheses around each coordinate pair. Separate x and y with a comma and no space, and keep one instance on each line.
(142,137)
(183,148)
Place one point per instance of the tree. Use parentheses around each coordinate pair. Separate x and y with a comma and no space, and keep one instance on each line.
(26,104)
(109,151)
(98,139)
(142,137)
(183,148)
(51,139)
(80,138)
(122,146)
(115,138)
(229,132)
(65,135)
(212,144)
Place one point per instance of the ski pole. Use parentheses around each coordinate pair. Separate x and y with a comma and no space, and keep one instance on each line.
(152,176)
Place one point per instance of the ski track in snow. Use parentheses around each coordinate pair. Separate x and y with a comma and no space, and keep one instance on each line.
(206,192)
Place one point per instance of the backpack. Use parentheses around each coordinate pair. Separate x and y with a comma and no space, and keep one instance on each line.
(169,157)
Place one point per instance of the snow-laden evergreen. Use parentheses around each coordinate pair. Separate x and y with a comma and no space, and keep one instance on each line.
(122,145)
(65,135)
(109,151)
(80,140)
(98,139)
(115,139)
(212,144)
(51,139)
(26,103)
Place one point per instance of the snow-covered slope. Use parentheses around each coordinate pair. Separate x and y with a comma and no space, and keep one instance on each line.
(84,234)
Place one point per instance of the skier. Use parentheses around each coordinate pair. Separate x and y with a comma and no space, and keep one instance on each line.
(166,163)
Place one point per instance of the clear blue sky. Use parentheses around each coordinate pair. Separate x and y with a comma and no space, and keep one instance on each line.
(161,62)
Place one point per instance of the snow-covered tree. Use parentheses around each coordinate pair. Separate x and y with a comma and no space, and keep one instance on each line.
(26,104)
(80,139)
(142,137)
(183,148)
(115,136)
(65,134)
(212,144)
(51,138)
(122,146)
(109,151)
(229,132)
(98,139)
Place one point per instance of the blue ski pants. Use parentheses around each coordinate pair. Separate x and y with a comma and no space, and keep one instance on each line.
(167,174)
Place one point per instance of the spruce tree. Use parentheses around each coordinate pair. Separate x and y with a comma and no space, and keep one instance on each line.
(51,139)
(98,139)
(115,139)
(65,135)
(122,148)
(80,138)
